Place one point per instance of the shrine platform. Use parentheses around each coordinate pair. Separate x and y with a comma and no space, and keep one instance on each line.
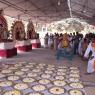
(36,43)
(7,49)
(23,46)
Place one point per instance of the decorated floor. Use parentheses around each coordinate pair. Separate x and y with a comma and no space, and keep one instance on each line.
(29,78)
(39,73)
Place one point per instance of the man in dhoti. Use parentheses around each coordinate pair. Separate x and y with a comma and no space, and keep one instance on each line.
(91,50)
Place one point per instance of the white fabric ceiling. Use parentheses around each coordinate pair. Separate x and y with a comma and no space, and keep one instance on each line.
(48,10)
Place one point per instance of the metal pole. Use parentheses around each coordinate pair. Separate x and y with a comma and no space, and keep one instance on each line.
(69,5)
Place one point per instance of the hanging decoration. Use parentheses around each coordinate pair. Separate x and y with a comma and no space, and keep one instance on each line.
(67,25)
(74,26)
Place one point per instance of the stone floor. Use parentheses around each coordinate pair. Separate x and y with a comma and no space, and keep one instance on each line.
(47,56)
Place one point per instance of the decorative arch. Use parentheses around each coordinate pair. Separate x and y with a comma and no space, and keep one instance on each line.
(3,28)
(18,30)
(30,30)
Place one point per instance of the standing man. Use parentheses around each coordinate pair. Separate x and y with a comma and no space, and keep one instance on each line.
(46,40)
(91,49)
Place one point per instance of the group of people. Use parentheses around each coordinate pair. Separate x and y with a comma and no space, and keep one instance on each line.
(55,40)
(83,46)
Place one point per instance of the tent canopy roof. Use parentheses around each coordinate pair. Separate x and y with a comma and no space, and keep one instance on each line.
(48,10)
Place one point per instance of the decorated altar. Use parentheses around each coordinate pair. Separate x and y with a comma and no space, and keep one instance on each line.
(7,47)
(21,43)
(33,36)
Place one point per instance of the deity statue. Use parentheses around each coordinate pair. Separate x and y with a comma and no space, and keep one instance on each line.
(18,31)
(5,35)
(22,34)
(17,35)
(30,34)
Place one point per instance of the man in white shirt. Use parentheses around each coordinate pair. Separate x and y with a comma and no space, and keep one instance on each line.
(91,62)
